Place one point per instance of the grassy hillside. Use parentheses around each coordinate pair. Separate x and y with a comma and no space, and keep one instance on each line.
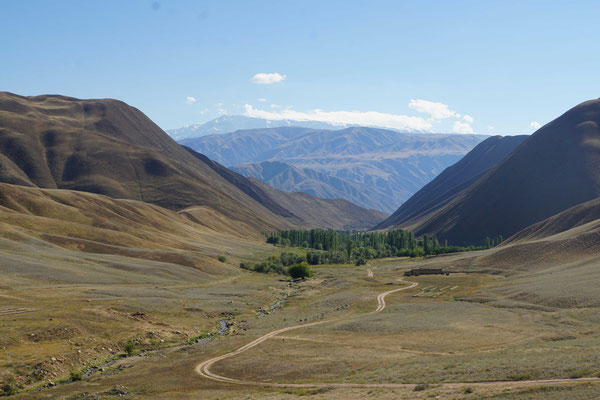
(107,147)
(554,169)
(441,190)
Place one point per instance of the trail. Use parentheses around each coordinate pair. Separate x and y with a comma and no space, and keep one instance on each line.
(203,368)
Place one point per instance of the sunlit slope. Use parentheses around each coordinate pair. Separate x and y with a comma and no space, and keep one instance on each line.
(107,147)
(67,236)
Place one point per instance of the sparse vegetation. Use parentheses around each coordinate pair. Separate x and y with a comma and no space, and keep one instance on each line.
(420,387)
(75,375)
(580,373)
(519,377)
(9,387)
(129,349)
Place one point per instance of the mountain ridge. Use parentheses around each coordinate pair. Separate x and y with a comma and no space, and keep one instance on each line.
(554,169)
(388,165)
(107,147)
(452,181)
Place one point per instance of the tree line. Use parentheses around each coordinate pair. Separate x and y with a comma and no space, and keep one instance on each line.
(337,247)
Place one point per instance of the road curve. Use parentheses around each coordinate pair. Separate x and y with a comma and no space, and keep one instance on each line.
(203,369)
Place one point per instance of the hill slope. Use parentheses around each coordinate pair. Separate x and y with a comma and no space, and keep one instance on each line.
(581,219)
(302,209)
(335,213)
(107,147)
(387,166)
(554,169)
(292,179)
(453,180)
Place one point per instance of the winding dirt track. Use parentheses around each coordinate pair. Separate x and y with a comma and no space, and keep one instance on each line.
(203,368)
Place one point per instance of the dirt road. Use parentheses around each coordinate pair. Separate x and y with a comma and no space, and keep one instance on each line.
(204,368)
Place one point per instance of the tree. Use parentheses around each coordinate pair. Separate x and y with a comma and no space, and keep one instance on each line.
(300,271)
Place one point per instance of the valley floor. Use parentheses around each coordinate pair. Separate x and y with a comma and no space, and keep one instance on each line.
(438,339)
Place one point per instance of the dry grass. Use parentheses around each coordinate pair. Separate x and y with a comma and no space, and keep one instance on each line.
(457,328)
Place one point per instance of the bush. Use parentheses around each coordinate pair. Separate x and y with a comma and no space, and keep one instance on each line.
(360,261)
(222,259)
(129,349)
(75,375)
(420,387)
(300,271)
(468,390)
(519,377)
(9,387)
(580,373)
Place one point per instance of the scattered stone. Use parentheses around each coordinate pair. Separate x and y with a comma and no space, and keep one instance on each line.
(117,391)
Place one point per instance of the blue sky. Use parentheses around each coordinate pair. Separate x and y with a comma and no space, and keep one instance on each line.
(492,67)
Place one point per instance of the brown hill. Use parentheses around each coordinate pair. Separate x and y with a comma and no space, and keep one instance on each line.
(581,219)
(333,213)
(452,181)
(61,235)
(554,169)
(107,147)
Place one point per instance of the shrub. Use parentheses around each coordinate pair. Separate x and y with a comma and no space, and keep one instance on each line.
(222,259)
(75,375)
(468,390)
(360,261)
(129,349)
(580,373)
(300,271)
(519,377)
(420,387)
(9,387)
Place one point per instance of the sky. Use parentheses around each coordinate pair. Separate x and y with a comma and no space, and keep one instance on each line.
(491,67)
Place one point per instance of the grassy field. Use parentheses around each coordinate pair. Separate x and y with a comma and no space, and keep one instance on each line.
(459,328)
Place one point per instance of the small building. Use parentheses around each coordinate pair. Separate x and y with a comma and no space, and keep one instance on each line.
(426,271)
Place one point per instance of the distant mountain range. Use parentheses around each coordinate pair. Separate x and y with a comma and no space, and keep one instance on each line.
(231,123)
(289,178)
(556,168)
(374,168)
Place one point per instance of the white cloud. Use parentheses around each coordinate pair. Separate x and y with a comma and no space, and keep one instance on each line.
(220,109)
(261,99)
(462,127)
(190,100)
(267,78)
(468,118)
(369,118)
(535,125)
(436,110)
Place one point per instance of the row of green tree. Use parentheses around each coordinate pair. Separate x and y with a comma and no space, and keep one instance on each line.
(345,246)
